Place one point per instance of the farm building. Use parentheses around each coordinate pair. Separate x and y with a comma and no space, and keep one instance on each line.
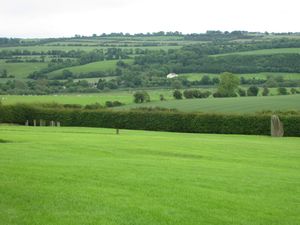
(172,75)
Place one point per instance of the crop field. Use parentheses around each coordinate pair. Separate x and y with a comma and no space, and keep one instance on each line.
(70,176)
(21,70)
(90,67)
(265,52)
(238,104)
(263,75)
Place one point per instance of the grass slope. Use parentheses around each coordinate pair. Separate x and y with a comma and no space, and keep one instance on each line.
(241,104)
(75,176)
(21,70)
(83,99)
(264,52)
(108,65)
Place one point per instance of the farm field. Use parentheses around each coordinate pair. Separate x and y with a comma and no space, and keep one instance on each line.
(90,67)
(238,104)
(84,48)
(265,52)
(263,75)
(21,70)
(81,176)
(83,99)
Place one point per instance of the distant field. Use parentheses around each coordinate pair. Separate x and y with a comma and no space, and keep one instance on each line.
(85,48)
(264,52)
(90,67)
(239,104)
(83,99)
(21,70)
(263,75)
(76,176)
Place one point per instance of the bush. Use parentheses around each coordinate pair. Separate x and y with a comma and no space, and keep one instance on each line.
(252,91)
(282,91)
(141,96)
(113,103)
(194,93)
(241,92)
(177,94)
(265,91)
(93,106)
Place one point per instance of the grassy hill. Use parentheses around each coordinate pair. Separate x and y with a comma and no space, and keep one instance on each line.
(241,104)
(21,70)
(263,75)
(265,52)
(90,67)
(92,176)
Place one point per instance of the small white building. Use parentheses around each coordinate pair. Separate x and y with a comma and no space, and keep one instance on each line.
(172,75)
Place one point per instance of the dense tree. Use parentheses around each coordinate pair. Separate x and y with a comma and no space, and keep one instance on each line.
(141,96)
(228,85)
(265,91)
(177,94)
(252,91)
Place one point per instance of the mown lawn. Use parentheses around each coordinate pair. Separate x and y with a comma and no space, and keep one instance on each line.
(70,176)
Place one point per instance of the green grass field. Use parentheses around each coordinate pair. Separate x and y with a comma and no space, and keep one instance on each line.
(265,52)
(108,65)
(263,75)
(83,99)
(84,48)
(239,104)
(21,70)
(75,176)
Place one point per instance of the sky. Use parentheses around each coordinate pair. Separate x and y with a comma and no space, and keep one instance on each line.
(65,18)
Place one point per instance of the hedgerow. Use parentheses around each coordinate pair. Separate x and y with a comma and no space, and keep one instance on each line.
(255,124)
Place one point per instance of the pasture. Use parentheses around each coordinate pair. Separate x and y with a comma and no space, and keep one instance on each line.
(263,75)
(232,105)
(107,65)
(83,99)
(21,70)
(70,176)
(264,52)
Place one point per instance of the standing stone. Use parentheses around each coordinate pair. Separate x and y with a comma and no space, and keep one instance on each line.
(276,127)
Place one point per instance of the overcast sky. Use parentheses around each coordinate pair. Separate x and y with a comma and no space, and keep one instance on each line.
(57,18)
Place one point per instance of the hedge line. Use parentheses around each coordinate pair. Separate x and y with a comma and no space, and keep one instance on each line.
(157,121)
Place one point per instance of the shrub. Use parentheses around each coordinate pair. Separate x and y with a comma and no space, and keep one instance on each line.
(177,94)
(241,92)
(141,96)
(282,91)
(93,106)
(113,103)
(265,91)
(252,91)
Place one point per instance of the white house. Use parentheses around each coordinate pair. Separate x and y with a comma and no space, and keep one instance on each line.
(172,75)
